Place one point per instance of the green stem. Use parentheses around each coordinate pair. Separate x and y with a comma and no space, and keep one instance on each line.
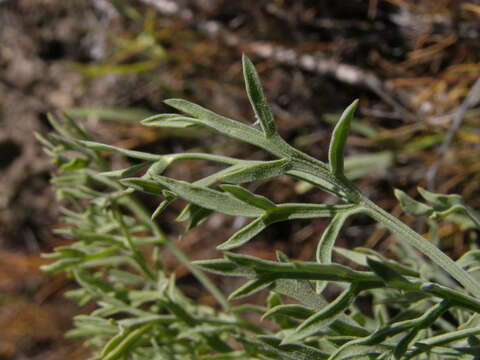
(404,232)
(344,187)
(137,208)
(202,156)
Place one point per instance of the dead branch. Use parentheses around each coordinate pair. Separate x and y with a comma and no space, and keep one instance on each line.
(319,64)
(472,99)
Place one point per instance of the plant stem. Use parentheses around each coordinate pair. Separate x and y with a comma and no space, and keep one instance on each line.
(142,214)
(404,232)
(397,227)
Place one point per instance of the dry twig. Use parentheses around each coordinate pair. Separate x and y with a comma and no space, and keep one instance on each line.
(472,99)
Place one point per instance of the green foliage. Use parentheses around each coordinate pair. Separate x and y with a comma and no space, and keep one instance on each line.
(417,311)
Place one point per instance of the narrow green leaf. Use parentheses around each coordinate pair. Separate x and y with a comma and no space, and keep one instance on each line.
(391,276)
(224,267)
(226,126)
(354,256)
(404,342)
(338,140)
(146,186)
(410,206)
(74,164)
(169,121)
(292,351)
(426,344)
(157,168)
(321,182)
(402,231)
(264,170)
(244,235)
(130,153)
(300,290)
(60,265)
(454,296)
(115,341)
(257,99)
(194,214)
(208,198)
(291,211)
(328,238)
(127,342)
(73,128)
(352,350)
(320,320)
(292,310)
(422,322)
(132,170)
(246,196)
(470,258)
(162,206)
(274,300)
(441,200)
(250,288)
(303,270)
(180,312)
(119,114)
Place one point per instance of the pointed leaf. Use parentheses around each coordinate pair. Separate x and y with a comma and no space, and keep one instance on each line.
(338,140)
(441,200)
(290,211)
(224,267)
(127,342)
(329,236)
(226,126)
(146,186)
(244,235)
(162,206)
(426,344)
(410,206)
(257,99)
(391,276)
(292,310)
(456,297)
(194,214)
(250,288)
(130,153)
(264,170)
(208,198)
(320,320)
(351,350)
(132,170)
(291,351)
(246,196)
(169,121)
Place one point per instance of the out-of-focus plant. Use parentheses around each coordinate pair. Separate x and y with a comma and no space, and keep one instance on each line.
(422,305)
(131,52)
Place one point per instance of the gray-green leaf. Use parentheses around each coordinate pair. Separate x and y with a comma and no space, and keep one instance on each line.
(338,140)
(410,206)
(257,98)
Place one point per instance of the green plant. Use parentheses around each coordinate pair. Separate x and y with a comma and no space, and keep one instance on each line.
(417,311)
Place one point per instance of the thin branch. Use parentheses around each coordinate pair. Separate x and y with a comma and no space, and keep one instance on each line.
(319,64)
(472,99)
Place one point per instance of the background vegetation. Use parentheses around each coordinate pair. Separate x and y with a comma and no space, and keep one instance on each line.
(413,64)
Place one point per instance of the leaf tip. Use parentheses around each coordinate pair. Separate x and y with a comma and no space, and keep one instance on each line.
(172,102)
(339,138)
(226,246)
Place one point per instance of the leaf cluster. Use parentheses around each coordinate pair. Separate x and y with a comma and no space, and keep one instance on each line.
(422,307)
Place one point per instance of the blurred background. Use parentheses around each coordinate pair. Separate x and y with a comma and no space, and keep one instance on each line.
(413,64)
